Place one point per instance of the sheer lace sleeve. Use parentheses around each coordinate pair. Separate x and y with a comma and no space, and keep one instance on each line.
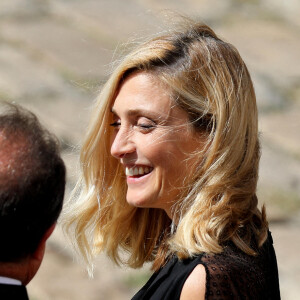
(236,275)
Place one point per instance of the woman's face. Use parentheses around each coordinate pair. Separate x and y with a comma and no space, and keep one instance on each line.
(153,141)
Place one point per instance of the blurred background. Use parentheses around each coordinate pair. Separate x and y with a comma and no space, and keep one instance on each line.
(56,54)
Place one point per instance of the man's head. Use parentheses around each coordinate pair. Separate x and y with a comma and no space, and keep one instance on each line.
(32,183)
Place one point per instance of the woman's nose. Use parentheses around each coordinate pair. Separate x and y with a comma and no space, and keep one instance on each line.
(122,144)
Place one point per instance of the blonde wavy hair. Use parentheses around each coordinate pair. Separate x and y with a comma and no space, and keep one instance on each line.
(209,80)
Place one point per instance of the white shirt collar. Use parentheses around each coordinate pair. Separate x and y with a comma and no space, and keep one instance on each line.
(7,280)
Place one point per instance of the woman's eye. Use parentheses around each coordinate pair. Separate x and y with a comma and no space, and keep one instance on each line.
(146,124)
(115,124)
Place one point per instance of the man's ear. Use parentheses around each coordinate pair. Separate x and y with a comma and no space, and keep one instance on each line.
(40,250)
(35,259)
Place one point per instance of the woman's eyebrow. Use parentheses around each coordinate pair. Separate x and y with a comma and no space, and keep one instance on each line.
(112,110)
(136,112)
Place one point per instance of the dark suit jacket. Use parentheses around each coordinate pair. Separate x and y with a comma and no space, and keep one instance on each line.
(13,292)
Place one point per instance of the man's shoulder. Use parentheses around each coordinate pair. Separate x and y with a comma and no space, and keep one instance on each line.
(11,291)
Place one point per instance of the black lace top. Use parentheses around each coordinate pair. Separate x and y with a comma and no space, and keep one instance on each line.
(229,275)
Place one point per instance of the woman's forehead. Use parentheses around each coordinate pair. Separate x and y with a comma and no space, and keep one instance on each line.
(142,91)
(143,94)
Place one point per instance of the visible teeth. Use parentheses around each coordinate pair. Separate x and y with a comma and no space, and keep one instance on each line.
(137,171)
(141,171)
(129,172)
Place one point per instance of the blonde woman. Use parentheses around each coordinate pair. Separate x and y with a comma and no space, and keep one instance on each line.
(169,172)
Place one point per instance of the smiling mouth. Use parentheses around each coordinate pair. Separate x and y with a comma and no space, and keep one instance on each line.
(138,171)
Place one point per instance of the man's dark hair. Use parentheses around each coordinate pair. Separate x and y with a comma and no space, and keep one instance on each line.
(32,182)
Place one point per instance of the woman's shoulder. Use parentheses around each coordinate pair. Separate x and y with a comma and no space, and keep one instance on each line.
(215,274)
(195,285)
(167,283)
(231,274)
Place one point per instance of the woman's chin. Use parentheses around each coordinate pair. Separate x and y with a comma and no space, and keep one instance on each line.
(143,202)
(138,203)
